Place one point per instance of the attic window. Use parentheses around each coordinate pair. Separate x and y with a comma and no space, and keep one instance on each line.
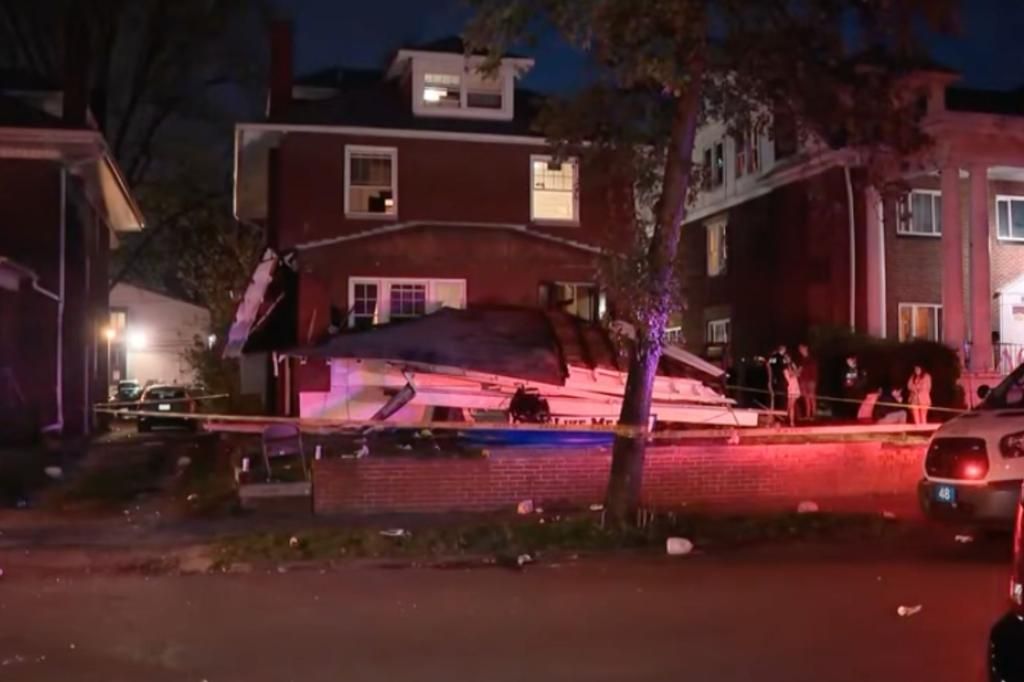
(442,90)
(483,92)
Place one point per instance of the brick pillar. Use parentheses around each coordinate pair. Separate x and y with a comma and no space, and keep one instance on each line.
(981,273)
(952,261)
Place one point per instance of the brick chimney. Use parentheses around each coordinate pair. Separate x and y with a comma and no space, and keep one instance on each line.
(281,58)
(76,70)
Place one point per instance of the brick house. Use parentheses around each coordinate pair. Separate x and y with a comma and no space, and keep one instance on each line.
(62,206)
(786,237)
(395,193)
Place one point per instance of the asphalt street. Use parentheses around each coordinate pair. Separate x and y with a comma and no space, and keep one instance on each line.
(821,614)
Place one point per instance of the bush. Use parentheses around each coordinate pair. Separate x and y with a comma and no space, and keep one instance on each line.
(888,364)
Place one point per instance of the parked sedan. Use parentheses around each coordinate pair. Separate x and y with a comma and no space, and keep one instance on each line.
(1006,643)
(172,403)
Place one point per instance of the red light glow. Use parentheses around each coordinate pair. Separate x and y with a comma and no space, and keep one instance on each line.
(974,471)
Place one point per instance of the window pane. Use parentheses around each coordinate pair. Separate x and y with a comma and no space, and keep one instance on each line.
(364,305)
(408,300)
(1017,219)
(921,213)
(924,323)
(937,212)
(448,295)
(371,184)
(483,92)
(554,190)
(906,329)
(1003,209)
(716,248)
(441,90)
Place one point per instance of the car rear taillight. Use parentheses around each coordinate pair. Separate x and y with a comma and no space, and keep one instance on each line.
(957,458)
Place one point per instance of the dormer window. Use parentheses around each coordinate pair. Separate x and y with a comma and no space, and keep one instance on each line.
(442,90)
(450,84)
(471,91)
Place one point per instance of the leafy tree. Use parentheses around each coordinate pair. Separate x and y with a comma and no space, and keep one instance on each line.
(662,67)
(165,80)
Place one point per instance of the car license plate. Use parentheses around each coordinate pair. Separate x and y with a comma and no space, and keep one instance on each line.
(164,407)
(945,494)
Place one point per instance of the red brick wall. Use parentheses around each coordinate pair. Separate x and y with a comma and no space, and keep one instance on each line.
(673,476)
(437,180)
(787,272)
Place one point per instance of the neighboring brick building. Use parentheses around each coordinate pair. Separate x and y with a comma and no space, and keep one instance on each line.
(784,240)
(62,205)
(398,192)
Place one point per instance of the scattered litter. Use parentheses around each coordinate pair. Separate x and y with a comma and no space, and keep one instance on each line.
(523,559)
(22,503)
(525,507)
(282,569)
(538,510)
(293,542)
(191,498)
(964,539)
(364,451)
(404,446)
(807,507)
(597,507)
(425,433)
(906,611)
(395,533)
(485,453)
(54,472)
(678,546)
(184,461)
(319,452)
(889,516)
(245,465)
(72,645)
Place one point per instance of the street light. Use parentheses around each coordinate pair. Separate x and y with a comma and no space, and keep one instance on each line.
(109,333)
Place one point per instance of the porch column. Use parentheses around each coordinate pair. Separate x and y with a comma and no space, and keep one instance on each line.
(981,273)
(875,262)
(952,261)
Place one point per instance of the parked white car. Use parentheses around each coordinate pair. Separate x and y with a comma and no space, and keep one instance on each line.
(975,462)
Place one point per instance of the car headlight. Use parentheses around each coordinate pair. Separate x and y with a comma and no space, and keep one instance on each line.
(1012,445)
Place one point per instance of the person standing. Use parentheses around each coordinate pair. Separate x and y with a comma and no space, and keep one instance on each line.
(854,391)
(919,394)
(777,388)
(808,380)
(792,375)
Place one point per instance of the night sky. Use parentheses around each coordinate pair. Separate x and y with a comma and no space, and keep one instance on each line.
(990,51)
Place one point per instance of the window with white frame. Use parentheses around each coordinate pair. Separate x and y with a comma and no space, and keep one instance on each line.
(1010,218)
(371,181)
(554,190)
(718,331)
(442,90)
(920,321)
(714,165)
(717,251)
(921,213)
(377,300)
(484,91)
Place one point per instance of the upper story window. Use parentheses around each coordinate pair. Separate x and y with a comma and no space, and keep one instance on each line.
(748,153)
(785,136)
(371,181)
(714,165)
(554,190)
(920,213)
(717,251)
(1010,218)
(442,90)
(582,299)
(467,90)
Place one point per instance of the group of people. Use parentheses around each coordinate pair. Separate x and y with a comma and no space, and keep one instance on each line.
(794,382)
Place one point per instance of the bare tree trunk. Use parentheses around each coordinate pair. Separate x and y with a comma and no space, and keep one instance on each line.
(624,484)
